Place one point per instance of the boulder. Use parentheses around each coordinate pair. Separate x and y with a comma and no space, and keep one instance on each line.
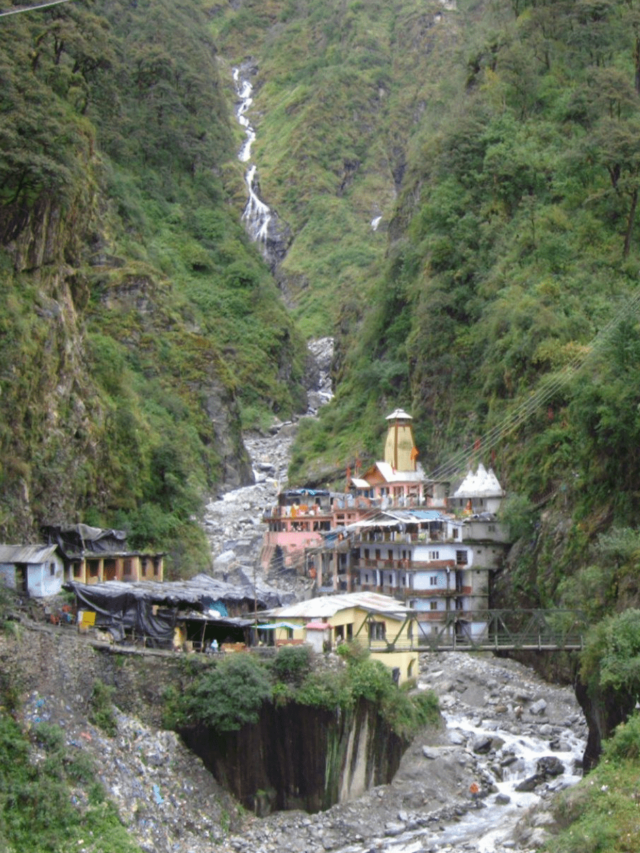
(482,744)
(531,783)
(550,765)
(538,707)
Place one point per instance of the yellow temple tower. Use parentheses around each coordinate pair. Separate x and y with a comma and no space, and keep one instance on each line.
(400,450)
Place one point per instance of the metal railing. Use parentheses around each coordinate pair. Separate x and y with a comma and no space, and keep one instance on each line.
(496,630)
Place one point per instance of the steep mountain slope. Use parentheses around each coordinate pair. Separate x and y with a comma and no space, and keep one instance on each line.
(514,245)
(339,87)
(140,327)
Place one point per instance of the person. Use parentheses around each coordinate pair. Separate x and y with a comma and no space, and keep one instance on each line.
(474,790)
(214,646)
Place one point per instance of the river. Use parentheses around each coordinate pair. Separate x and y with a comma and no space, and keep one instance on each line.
(501,721)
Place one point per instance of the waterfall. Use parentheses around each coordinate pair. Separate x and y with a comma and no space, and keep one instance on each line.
(261,222)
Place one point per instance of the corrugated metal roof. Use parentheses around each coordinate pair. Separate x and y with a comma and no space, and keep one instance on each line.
(327,606)
(359,483)
(31,554)
(191,591)
(393,476)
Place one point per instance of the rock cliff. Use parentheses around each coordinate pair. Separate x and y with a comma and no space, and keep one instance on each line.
(301,757)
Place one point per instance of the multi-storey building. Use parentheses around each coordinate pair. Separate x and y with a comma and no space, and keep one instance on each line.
(303,516)
(399,533)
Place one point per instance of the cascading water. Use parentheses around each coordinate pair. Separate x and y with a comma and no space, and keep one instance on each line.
(262,223)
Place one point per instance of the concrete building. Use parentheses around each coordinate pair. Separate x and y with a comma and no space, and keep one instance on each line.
(378,622)
(94,555)
(32,570)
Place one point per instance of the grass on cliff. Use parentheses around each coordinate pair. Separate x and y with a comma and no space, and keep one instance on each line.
(340,89)
(49,799)
(154,328)
(231,694)
(602,813)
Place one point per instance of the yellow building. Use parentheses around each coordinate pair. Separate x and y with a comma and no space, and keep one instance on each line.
(377,622)
(400,449)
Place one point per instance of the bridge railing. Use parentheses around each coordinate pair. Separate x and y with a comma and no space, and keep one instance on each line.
(551,630)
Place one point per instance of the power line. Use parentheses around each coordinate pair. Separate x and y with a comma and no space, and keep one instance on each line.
(549,386)
(17,9)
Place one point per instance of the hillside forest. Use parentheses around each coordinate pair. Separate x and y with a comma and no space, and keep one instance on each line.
(496,143)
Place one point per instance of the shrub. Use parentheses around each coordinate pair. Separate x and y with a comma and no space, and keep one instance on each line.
(353,652)
(101,712)
(611,659)
(293,664)
(48,736)
(427,708)
(625,743)
(324,690)
(231,695)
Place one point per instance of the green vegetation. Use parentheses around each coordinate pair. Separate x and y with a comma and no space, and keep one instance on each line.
(611,660)
(139,327)
(358,69)
(101,712)
(230,695)
(601,813)
(36,806)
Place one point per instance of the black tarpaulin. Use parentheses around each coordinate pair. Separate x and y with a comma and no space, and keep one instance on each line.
(137,606)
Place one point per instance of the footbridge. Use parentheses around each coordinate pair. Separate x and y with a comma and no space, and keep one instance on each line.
(505,630)
(491,631)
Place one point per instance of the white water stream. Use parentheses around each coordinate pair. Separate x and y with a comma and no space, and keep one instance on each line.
(489,823)
(518,758)
(257,215)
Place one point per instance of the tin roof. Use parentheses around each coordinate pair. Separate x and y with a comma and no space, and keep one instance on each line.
(326,606)
(31,554)
(359,483)
(391,475)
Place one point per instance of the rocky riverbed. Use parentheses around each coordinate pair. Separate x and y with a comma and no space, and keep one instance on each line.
(456,788)
(233,521)
(502,720)
(505,727)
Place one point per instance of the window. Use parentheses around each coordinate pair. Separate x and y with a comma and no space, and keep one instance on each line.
(390,553)
(433,605)
(52,569)
(491,528)
(433,580)
(456,532)
(366,553)
(461,558)
(376,630)
(434,555)
(377,553)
